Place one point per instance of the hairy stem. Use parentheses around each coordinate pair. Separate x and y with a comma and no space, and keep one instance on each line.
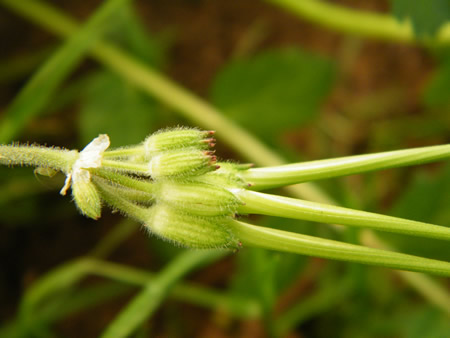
(38,156)
(136,168)
(124,180)
(124,152)
(273,239)
(116,202)
(273,205)
(271,177)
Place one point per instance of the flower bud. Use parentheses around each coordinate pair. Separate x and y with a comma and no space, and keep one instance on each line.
(190,231)
(198,198)
(178,138)
(179,163)
(87,198)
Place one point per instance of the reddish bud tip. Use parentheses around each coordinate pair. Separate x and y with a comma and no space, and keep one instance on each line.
(208,140)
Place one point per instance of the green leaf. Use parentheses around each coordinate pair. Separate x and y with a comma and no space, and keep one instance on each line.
(412,203)
(426,322)
(38,91)
(131,34)
(437,91)
(426,16)
(256,276)
(274,90)
(426,198)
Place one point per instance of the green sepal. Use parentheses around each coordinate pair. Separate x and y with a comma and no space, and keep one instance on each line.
(189,230)
(181,163)
(226,175)
(87,198)
(197,198)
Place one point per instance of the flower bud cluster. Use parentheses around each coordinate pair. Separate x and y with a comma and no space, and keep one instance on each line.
(190,208)
(171,182)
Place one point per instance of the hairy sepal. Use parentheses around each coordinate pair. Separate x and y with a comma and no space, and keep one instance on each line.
(182,163)
(190,230)
(177,138)
(198,198)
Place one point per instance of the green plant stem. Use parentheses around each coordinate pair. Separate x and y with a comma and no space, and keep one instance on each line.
(280,206)
(136,168)
(123,180)
(124,152)
(271,177)
(273,239)
(145,303)
(118,203)
(135,196)
(358,22)
(26,155)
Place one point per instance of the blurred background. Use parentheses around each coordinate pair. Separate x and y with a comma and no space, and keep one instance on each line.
(307,91)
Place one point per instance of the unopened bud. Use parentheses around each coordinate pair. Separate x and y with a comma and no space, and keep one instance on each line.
(198,198)
(179,163)
(178,138)
(191,231)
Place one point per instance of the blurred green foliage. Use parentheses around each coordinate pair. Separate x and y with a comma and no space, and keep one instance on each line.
(273,91)
(427,16)
(110,104)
